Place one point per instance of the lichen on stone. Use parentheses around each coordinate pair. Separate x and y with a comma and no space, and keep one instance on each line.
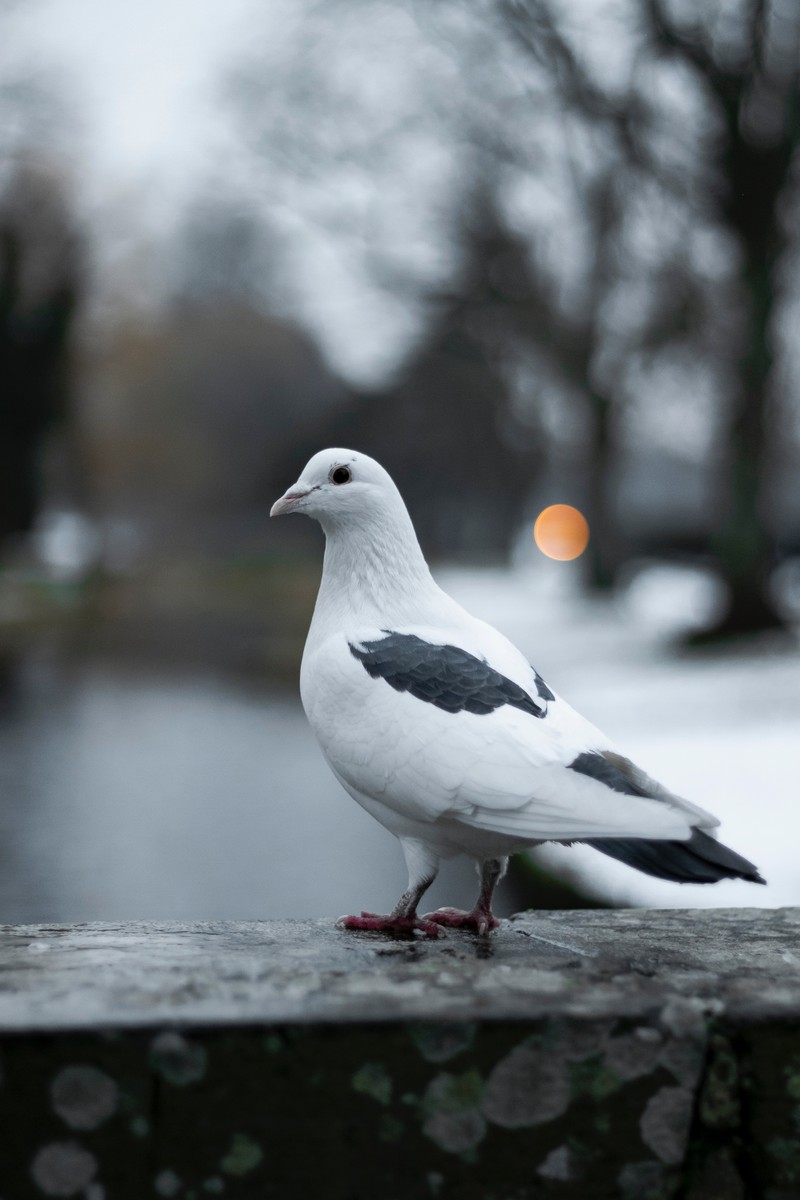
(83,1096)
(719,1100)
(243,1156)
(786,1152)
(592,1077)
(63,1168)
(664,1124)
(557,1165)
(632,1055)
(451,1108)
(177,1060)
(581,1039)
(646,1181)
(167,1183)
(526,1088)
(683,1058)
(438,1042)
(435,1181)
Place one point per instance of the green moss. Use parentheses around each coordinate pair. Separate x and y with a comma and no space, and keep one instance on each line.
(594,1079)
(454,1093)
(243,1156)
(373,1080)
(451,1111)
(719,1100)
(787,1153)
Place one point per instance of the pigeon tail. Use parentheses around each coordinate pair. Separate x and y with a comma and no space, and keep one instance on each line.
(700,859)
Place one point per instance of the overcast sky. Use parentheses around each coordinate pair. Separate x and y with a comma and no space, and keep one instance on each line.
(144,88)
(142,77)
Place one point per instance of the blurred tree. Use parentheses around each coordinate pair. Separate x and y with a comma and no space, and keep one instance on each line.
(224,252)
(191,420)
(746,64)
(40,285)
(645,150)
(497,101)
(644,163)
(446,428)
(747,61)
(190,424)
(572,337)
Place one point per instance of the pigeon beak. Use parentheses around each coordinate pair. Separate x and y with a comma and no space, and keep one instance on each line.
(289,500)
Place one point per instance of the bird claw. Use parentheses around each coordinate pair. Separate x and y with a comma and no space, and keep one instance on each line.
(478,921)
(396,927)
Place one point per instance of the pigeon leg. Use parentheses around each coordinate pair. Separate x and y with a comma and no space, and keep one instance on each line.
(481,920)
(403,921)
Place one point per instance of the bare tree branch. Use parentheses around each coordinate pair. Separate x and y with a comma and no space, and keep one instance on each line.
(666,33)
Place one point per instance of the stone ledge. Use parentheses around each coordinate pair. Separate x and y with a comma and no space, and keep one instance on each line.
(628,963)
(624,1055)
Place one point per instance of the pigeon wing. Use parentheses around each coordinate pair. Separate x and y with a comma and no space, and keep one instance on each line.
(434,731)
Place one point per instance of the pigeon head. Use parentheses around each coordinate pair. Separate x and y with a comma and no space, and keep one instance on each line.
(340,488)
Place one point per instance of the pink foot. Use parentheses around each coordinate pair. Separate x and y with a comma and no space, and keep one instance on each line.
(478,921)
(397,927)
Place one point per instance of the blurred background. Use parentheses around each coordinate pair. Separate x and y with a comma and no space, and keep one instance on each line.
(526,253)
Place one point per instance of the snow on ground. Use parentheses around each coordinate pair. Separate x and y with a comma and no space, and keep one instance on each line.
(721,728)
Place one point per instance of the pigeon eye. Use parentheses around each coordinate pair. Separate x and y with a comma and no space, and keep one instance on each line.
(340,475)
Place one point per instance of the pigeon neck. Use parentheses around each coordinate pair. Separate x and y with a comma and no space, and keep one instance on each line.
(374,573)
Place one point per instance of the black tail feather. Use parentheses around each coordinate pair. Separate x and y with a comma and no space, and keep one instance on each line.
(700,859)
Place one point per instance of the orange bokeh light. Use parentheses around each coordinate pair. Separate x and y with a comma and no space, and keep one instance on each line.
(561,532)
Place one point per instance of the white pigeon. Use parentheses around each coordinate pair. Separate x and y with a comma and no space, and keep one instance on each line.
(440,728)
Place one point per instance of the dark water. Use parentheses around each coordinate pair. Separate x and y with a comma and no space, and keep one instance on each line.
(125,795)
